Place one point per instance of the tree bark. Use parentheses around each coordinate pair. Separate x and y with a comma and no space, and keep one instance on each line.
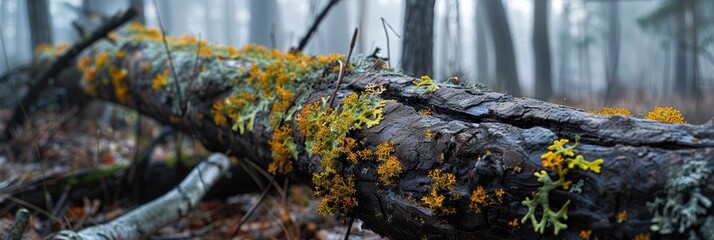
(506,69)
(418,41)
(487,140)
(482,63)
(40,26)
(541,51)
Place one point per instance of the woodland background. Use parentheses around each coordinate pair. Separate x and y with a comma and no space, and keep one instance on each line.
(634,54)
(582,53)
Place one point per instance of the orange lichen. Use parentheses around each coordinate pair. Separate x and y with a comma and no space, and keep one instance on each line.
(428,134)
(120,54)
(121,90)
(84,62)
(282,148)
(614,111)
(389,166)
(435,198)
(513,223)
(424,111)
(218,113)
(160,80)
(585,234)
(642,236)
(101,60)
(622,216)
(479,198)
(666,114)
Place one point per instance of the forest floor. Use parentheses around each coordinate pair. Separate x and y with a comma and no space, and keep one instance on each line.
(68,141)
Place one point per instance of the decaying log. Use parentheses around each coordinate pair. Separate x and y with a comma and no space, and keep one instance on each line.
(654,181)
(148,218)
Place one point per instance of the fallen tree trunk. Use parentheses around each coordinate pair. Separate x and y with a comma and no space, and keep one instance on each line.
(465,170)
(143,221)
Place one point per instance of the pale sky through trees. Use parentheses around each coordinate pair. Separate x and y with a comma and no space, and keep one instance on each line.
(640,51)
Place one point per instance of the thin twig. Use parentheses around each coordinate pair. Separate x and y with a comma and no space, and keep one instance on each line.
(253,208)
(171,60)
(386,34)
(18,226)
(349,227)
(344,68)
(313,27)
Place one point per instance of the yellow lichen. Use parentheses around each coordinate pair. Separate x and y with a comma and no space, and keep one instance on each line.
(435,198)
(389,166)
(121,90)
(424,111)
(160,80)
(666,114)
(614,111)
(101,60)
(622,216)
(642,236)
(479,198)
(282,148)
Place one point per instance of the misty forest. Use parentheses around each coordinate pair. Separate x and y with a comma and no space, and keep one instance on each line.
(356,119)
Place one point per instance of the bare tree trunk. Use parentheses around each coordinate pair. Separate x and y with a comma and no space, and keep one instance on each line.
(40,25)
(506,69)
(541,51)
(486,145)
(482,63)
(613,49)
(138,5)
(682,85)
(564,45)
(418,40)
(262,21)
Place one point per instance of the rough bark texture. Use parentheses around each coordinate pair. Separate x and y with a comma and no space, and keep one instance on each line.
(418,41)
(40,26)
(486,139)
(506,70)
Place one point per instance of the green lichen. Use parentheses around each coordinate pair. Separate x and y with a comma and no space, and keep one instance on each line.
(559,159)
(540,199)
(325,130)
(684,206)
(427,82)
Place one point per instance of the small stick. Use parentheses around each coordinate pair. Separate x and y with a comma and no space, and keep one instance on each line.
(18,226)
(343,68)
(252,209)
(313,28)
(386,34)
(171,60)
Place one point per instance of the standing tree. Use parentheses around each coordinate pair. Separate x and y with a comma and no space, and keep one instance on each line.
(541,51)
(482,74)
(263,20)
(612,53)
(506,70)
(417,43)
(40,25)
